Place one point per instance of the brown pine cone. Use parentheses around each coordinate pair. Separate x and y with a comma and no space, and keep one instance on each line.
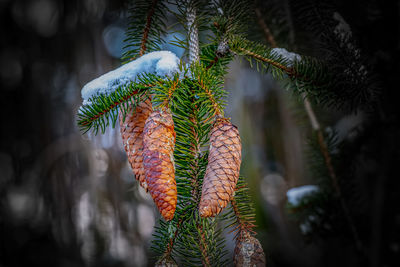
(132,137)
(223,168)
(158,161)
(166,262)
(249,253)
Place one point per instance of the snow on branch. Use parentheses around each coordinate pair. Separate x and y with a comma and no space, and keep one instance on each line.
(161,63)
(296,194)
(290,57)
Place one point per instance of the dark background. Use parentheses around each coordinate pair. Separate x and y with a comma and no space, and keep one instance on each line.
(70,200)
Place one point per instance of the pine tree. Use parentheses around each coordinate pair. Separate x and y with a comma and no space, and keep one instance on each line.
(192,187)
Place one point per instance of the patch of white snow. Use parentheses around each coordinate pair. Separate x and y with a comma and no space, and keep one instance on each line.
(296,194)
(289,56)
(161,63)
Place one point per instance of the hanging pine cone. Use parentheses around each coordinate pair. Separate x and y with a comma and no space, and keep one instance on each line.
(132,137)
(223,168)
(166,262)
(249,253)
(158,161)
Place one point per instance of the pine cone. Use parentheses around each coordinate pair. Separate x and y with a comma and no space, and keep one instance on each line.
(223,168)
(158,161)
(132,137)
(249,253)
(166,262)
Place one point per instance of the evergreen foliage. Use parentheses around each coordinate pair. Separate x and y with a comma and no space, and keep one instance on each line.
(240,218)
(352,77)
(147,26)
(196,98)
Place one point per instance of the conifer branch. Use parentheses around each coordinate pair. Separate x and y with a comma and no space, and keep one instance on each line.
(171,90)
(321,142)
(203,247)
(171,242)
(190,108)
(335,184)
(267,33)
(241,215)
(242,227)
(146,27)
(278,65)
(222,51)
(87,121)
(217,109)
(146,31)
(194,51)
(101,110)
(193,33)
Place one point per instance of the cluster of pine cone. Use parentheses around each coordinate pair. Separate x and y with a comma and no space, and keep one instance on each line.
(149,138)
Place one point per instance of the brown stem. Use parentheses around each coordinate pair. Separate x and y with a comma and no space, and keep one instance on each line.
(328,163)
(203,248)
(95,117)
(196,190)
(171,92)
(310,113)
(267,33)
(213,62)
(211,97)
(146,31)
(113,105)
(289,71)
(172,239)
(321,141)
(243,228)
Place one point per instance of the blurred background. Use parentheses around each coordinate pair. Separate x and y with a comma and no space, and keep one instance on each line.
(68,199)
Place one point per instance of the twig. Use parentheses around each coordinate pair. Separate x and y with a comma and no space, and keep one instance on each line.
(146,31)
(244,227)
(321,141)
(170,93)
(203,248)
(193,34)
(172,239)
(278,65)
(211,97)
(267,33)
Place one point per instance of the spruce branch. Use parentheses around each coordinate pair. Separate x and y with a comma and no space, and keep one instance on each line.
(267,33)
(193,33)
(272,62)
(192,110)
(241,217)
(211,87)
(321,142)
(102,110)
(203,246)
(146,31)
(342,54)
(194,51)
(146,27)
(308,75)
(328,161)
(232,16)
